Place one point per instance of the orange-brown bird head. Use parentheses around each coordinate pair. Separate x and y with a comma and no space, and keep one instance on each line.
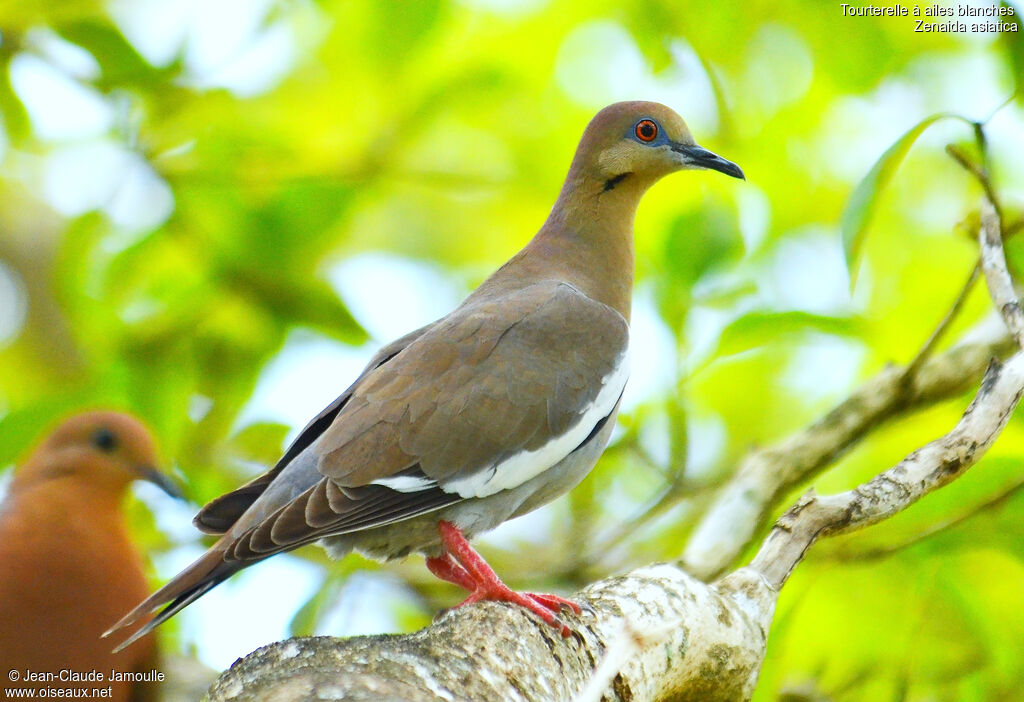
(106,450)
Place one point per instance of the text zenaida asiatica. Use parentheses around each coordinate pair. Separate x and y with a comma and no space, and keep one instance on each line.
(68,565)
(487,413)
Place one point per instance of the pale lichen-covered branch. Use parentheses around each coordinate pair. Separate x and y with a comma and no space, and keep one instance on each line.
(997,276)
(743,505)
(928,468)
(921,472)
(741,508)
(712,649)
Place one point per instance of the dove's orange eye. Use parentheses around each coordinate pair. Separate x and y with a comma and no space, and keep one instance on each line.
(646,130)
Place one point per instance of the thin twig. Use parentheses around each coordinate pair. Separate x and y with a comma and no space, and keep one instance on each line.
(872,554)
(980,173)
(922,471)
(929,346)
(672,496)
(997,276)
(740,509)
(996,111)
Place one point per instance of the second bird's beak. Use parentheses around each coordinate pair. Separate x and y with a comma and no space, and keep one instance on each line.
(699,157)
(161,480)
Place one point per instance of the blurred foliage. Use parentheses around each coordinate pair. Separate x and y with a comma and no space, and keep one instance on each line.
(256,146)
(860,208)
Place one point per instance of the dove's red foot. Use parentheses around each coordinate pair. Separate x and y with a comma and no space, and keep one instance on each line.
(464,567)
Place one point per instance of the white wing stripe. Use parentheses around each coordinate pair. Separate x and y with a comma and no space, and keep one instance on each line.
(406,483)
(518,468)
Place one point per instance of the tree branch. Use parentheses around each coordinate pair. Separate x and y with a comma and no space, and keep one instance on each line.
(993,263)
(929,468)
(992,503)
(710,647)
(923,471)
(743,505)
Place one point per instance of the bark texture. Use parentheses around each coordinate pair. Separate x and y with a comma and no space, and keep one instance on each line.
(741,508)
(707,644)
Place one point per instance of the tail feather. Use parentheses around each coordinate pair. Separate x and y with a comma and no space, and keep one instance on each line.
(205,573)
(178,604)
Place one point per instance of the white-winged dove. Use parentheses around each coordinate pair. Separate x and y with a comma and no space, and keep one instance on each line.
(487,413)
(68,565)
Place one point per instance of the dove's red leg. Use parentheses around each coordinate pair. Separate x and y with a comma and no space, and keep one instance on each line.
(448,570)
(463,566)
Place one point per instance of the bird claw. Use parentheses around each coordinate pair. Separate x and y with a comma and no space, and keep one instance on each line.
(554,602)
(545,610)
(544,606)
(463,566)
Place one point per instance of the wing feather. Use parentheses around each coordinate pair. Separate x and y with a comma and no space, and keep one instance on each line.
(220,514)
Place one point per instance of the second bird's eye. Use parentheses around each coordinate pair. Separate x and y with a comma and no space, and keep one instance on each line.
(104,440)
(646,130)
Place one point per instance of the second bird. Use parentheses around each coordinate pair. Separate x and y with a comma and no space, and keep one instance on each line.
(486,414)
(68,565)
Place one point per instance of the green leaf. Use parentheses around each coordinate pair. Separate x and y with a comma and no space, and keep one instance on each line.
(15,118)
(400,28)
(262,442)
(122,64)
(759,328)
(294,301)
(1013,43)
(324,597)
(697,242)
(648,23)
(862,203)
(701,240)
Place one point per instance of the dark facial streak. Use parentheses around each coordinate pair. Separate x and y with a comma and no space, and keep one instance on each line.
(612,182)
